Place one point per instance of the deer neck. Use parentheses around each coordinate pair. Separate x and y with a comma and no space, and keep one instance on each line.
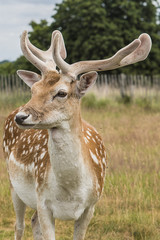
(64,147)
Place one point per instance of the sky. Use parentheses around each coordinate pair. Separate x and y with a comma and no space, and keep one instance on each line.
(15,16)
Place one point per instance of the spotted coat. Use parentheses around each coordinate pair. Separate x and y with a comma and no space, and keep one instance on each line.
(30,149)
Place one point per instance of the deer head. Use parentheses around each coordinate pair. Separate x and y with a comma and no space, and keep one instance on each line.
(56,95)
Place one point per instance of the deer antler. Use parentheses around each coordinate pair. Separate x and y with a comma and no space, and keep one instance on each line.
(43,60)
(136,51)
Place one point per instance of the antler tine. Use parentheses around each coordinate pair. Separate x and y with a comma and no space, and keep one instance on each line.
(46,56)
(63,66)
(106,64)
(141,52)
(136,51)
(63,52)
(30,56)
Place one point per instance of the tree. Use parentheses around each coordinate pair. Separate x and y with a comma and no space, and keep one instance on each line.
(83,25)
(41,34)
(6,68)
(132,17)
(96,29)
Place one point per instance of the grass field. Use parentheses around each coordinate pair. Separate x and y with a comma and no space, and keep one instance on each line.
(130,206)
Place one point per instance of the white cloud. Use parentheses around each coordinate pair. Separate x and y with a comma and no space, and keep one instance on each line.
(14,19)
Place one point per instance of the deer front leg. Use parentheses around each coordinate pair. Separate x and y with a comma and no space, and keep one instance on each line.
(19,208)
(47,222)
(80,226)
(36,229)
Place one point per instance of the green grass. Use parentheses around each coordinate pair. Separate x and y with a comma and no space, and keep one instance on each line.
(130,206)
(12,100)
(91,101)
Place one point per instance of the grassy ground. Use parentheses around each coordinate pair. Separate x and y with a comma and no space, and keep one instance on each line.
(130,206)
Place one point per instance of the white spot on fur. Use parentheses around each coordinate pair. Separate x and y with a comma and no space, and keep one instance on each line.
(41,175)
(6,149)
(42,155)
(11,129)
(37,147)
(35,155)
(41,164)
(93,156)
(31,149)
(45,142)
(88,133)
(97,152)
(24,152)
(29,139)
(86,140)
(88,137)
(39,136)
(104,160)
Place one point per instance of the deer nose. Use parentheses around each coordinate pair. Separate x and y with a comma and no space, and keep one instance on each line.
(19,118)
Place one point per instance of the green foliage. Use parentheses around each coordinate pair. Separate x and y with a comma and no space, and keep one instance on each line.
(149,104)
(91,101)
(12,67)
(98,29)
(41,34)
(126,99)
(13,100)
(6,67)
(82,24)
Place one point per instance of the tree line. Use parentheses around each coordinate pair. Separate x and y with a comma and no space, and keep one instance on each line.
(97,29)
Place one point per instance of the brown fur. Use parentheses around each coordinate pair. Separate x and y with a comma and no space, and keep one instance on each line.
(29,144)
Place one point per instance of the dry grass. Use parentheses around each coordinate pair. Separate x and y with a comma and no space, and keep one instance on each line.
(130,206)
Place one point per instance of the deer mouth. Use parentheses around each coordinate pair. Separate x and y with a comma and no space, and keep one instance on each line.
(25,126)
(28,125)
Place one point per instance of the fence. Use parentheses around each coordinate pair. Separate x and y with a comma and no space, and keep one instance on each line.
(128,85)
(121,84)
(12,84)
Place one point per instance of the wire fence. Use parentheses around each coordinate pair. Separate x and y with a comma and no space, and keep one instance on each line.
(110,85)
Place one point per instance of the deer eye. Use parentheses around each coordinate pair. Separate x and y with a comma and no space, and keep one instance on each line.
(61,94)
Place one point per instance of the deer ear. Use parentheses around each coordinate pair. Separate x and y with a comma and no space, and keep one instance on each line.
(28,77)
(86,81)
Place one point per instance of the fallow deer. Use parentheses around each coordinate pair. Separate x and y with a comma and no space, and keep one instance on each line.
(57,161)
